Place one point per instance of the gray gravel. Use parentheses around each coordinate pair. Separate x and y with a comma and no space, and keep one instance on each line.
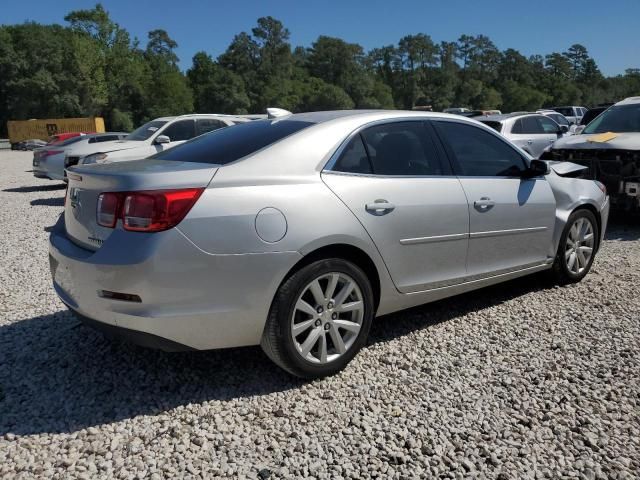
(517,381)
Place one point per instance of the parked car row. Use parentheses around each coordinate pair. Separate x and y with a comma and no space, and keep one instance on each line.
(293,232)
(532,132)
(152,137)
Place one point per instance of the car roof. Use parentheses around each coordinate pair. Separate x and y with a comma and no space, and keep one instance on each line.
(504,116)
(629,101)
(203,115)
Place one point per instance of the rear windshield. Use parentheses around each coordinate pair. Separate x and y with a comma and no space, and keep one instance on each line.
(226,145)
(497,126)
(620,119)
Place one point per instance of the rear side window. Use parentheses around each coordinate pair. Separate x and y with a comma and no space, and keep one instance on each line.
(531,125)
(354,158)
(180,130)
(479,153)
(517,126)
(226,145)
(401,148)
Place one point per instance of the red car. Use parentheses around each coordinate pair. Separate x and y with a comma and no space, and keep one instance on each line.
(59,137)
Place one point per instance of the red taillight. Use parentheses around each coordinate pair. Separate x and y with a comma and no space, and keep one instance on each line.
(147,211)
(107,211)
(47,153)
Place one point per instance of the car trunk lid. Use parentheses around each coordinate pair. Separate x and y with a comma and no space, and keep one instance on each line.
(86,183)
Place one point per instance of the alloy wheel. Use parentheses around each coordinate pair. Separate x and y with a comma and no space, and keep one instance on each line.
(327,317)
(579,245)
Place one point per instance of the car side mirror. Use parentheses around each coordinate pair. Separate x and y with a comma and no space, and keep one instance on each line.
(564,129)
(537,168)
(160,139)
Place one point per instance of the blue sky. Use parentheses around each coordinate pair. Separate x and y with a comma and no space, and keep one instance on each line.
(609,29)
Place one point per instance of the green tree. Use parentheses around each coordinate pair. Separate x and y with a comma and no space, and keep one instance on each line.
(166,89)
(216,89)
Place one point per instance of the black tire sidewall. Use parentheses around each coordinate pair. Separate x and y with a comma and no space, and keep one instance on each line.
(285,303)
(561,264)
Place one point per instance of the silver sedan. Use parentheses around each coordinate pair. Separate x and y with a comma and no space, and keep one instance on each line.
(295,232)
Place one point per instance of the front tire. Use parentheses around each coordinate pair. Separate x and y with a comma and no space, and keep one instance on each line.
(319,319)
(577,248)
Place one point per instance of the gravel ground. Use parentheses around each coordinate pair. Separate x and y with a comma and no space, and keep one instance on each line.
(516,381)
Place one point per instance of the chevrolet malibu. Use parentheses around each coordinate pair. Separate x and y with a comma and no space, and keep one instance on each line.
(295,232)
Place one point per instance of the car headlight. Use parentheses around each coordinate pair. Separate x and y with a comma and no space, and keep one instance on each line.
(95,158)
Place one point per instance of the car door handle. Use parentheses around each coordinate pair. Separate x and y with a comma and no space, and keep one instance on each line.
(380,207)
(484,204)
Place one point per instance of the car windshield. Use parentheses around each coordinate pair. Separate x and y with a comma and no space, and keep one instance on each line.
(226,145)
(145,131)
(620,119)
(559,119)
(590,115)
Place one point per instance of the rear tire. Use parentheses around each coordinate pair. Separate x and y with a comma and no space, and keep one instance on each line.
(319,319)
(577,248)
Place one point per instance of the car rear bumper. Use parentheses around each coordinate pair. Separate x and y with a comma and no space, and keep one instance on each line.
(188,299)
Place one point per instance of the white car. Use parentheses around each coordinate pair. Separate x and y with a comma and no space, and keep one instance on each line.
(559,119)
(50,160)
(572,114)
(532,132)
(158,135)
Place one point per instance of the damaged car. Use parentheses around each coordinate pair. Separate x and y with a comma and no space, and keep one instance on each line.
(610,149)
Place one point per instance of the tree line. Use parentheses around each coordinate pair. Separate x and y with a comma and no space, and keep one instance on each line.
(92,66)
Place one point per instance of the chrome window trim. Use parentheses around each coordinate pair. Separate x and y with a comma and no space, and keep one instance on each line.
(336,154)
(499,136)
(434,239)
(500,233)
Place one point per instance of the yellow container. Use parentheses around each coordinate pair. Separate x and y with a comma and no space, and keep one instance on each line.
(43,129)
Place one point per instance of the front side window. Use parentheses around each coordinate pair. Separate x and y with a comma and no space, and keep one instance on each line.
(479,153)
(617,119)
(145,131)
(180,130)
(401,148)
(548,125)
(226,145)
(559,119)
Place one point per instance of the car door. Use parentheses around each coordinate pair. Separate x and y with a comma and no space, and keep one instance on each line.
(511,219)
(551,131)
(538,139)
(525,133)
(402,190)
